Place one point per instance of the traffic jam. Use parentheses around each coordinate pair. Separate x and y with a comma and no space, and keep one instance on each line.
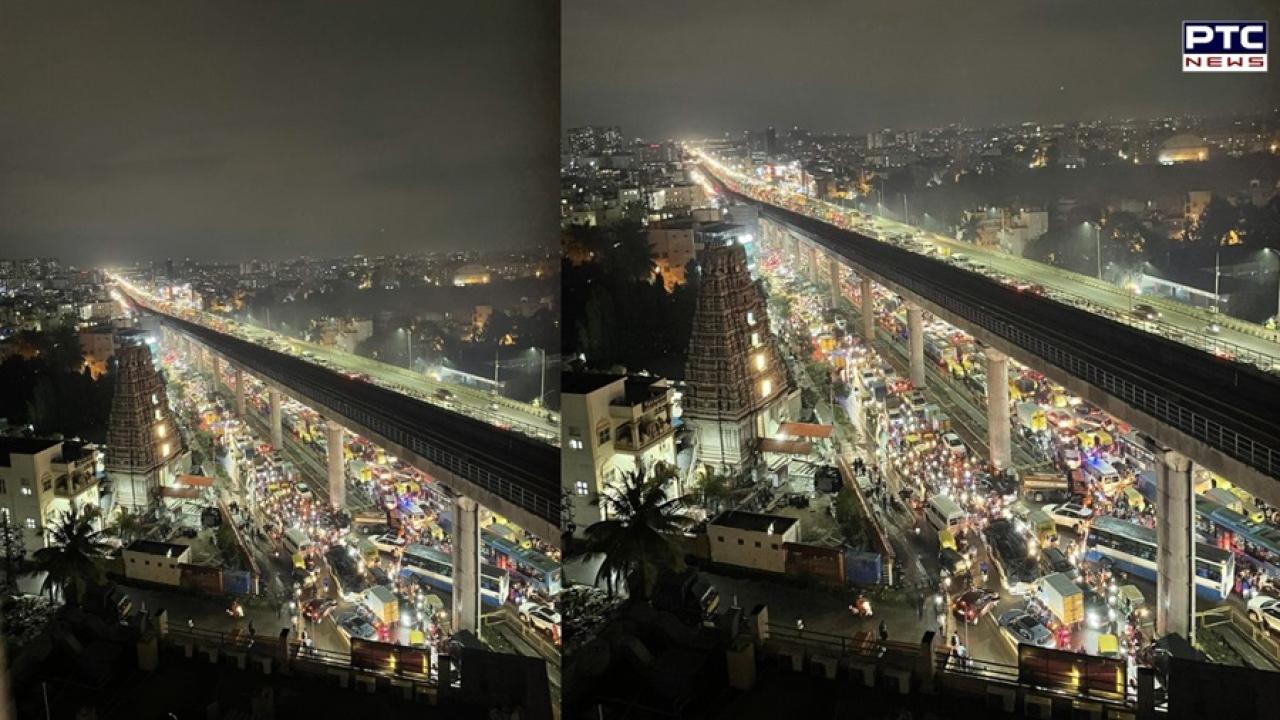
(1059,554)
(382,569)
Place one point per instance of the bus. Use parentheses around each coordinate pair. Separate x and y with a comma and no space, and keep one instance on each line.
(1258,543)
(1133,549)
(537,569)
(436,569)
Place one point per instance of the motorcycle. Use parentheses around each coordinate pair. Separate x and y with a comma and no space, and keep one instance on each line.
(861,607)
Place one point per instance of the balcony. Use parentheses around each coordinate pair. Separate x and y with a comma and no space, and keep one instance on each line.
(72,486)
(639,436)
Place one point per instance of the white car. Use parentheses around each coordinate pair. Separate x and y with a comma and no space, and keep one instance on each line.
(542,617)
(1265,611)
(1069,515)
(955,444)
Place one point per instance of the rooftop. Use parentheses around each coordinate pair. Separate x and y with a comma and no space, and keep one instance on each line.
(754,522)
(23,446)
(155,547)
(577,383)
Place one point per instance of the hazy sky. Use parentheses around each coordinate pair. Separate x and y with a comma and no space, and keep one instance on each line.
(678,68)
(267,128)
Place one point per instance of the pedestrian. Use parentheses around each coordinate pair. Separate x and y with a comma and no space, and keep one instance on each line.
(800,626)
(884,632)
(191,623)
(955,640)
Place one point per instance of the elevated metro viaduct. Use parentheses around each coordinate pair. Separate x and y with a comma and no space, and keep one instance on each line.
(480,464)
(1195,407)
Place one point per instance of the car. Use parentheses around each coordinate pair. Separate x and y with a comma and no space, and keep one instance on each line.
(1097,613)
(1213,329)
(354,626)
(972,605)
(1069,515)
(1146,312)
(955,444)
(318,609)
(1023,629)
(304,490)
(388,542)
(539,616)
(1053,560)
(1265,610)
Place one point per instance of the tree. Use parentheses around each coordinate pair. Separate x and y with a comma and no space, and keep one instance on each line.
(62,347)
(72,554)
(128,525)
(637,540)
(13,552)
(969,229)
(716,489)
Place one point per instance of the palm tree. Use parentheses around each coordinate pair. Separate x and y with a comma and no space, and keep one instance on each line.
(637,541)
(70,559)
(129,524)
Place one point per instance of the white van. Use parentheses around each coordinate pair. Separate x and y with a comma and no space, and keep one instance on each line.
(296,540)
(943,513)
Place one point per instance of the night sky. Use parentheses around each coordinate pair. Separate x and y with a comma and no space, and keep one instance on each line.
(679,69)
(231,129)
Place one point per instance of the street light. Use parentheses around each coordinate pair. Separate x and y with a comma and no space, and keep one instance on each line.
(1097,239)
(409,341)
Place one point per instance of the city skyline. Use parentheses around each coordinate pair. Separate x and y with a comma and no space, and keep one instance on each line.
(676,79)
(308,132)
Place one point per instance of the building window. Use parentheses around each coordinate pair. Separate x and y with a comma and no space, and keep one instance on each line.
(751,318)
(755,339)
(760,361)
(26,487)
(47,484)
(757,543)
(774,546)
(581,487)
(766,387)
(5,516)
(740,542)
(31,523)
(575,444)
(3,490)
(604,435)
(720,538)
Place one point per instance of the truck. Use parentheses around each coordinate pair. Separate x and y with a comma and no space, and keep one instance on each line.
(1046,487)
(1063,597)
(382,603)
(1032,416)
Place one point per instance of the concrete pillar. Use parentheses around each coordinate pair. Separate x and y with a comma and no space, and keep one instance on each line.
(466,564)
(814,273)
(217,371)
(868,311)
(915,327)
(277,430)
(835,283)
(1175,546)
(998,408)
(337,465)
(239,391)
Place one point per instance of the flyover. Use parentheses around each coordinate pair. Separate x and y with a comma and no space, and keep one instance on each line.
(1222,415)
(508,473)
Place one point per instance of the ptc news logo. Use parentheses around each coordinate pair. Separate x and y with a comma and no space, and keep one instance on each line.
(1224,46)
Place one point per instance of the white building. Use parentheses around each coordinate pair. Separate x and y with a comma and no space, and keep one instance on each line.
(155,562)
(610,425)
(40,479)
(752,540)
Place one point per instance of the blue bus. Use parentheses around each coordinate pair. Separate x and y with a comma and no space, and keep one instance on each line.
(1132,548)
(436,569)
(541,572)
(1260,542)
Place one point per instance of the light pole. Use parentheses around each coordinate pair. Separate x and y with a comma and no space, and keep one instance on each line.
(906,219)
(408,336)
(1097,240)
(1217,277)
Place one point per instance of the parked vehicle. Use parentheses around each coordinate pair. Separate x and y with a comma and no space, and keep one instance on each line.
(1265,611)
(539,616)
(973,604)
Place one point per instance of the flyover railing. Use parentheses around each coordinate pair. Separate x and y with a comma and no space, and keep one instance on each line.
(1194,424)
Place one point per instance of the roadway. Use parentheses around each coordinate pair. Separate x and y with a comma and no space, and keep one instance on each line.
(1179,322)
(1178,394)
(488,406)
(512,475)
